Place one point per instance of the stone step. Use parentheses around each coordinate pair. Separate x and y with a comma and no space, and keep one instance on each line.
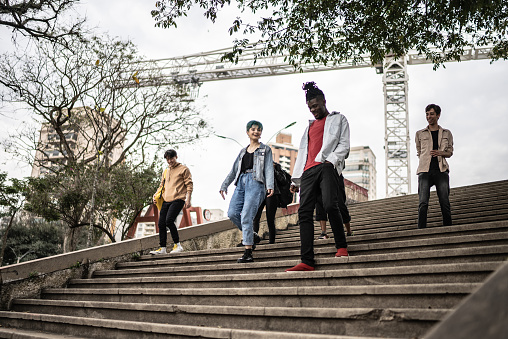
(416,296)
(444,256)
(326,249)
(395,322)
(422,274)
(122,329)
(15,333)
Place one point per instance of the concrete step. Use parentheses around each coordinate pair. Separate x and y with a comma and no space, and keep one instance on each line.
(122,329)
(407,240)
(395,322)
(446,256)
(422,274)
(416,296)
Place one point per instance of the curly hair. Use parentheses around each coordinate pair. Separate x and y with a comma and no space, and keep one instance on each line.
(312,91)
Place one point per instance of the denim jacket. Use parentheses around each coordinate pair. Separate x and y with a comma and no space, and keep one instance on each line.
(335,148)
(262,169)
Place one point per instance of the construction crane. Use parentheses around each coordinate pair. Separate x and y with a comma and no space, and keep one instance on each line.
(194,69)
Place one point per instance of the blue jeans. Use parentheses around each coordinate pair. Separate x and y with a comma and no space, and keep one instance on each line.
(248,195)
(442,182)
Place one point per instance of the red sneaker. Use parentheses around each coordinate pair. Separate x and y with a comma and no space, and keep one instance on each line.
(342,252)
(301,267)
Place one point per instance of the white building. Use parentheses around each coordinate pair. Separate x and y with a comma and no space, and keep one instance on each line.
(361,169)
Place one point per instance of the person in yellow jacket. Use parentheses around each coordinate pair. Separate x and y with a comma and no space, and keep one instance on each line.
(175,190)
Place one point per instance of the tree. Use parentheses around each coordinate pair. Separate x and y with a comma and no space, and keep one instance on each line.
(11,201)
(95,115)
(38,19)
(32,238)
(330,31)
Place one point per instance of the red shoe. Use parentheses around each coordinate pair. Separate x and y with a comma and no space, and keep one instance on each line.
(342,252)
(301,267)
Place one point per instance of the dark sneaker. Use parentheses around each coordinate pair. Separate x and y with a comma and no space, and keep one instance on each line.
(300,267)
(240,244)
(342,252)
(323,236)
(350,234)
(246,257)
(257,239)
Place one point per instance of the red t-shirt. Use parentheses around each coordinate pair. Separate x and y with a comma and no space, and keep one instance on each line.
(316,131)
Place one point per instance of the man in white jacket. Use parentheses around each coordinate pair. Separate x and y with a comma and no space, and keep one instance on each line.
(317,171)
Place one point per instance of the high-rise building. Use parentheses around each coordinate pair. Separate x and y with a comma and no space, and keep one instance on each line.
(361,169)
(284,152)
(80,138)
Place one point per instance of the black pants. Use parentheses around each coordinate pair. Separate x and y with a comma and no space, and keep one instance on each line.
(344,212)
(321,180)
(442,182)
(271,204)
(167,217)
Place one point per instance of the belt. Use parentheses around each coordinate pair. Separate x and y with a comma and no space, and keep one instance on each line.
(248,170)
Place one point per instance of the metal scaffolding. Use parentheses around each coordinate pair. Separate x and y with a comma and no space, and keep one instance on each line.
(192,70)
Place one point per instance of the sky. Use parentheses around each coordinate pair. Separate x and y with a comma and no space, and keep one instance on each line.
(473,96)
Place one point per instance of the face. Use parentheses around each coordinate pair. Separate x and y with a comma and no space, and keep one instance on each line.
(317,107)
(432,117)
(171,161)
(254,133)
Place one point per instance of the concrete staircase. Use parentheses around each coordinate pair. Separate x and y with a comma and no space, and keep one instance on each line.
(397,283)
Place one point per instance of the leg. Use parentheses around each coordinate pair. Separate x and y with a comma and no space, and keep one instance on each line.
(271,208)
(423,194)
(308,190)
(329,181)
(257,218)
(163,233)
(236,203)
(174,209)
(442,181)
(344,212)
(321,217)
(254,196)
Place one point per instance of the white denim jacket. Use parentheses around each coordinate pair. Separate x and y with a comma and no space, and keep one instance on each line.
(335,148)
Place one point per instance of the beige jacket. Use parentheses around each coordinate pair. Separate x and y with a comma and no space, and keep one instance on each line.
(178,183)
(424,146)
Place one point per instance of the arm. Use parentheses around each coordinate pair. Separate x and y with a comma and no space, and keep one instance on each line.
(269,172)
(159,190)
(418,145)
(189,184)
(230,177)
(342,150)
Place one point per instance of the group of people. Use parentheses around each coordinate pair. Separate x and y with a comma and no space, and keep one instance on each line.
(317,175)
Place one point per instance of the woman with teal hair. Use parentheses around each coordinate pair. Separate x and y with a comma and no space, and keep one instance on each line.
(252,173)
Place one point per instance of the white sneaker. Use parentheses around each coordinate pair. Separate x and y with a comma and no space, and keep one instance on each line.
(177,248)
(161,250)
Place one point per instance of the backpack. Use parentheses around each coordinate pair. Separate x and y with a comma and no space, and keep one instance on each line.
(283,180)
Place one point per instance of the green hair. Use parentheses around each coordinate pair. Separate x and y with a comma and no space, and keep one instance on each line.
(254,123)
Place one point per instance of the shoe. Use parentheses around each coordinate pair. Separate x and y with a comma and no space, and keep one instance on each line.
(300,267)
(257,239)
(161,250)
(177,248)
(350,234)
(342,252)
(246,257)
(323,236)
(240,244)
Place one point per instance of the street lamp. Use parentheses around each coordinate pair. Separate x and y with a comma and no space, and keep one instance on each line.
(223,137)
(291,124)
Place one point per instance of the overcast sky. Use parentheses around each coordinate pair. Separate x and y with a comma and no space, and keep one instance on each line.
(473,97)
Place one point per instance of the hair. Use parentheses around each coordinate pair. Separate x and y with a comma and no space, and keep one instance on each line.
(254,123)
(436,108)
(312,91)
(170,153)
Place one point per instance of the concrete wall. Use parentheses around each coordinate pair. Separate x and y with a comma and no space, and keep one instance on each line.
(26,280)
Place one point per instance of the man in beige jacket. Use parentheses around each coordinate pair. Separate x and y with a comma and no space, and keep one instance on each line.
(176,185)
(433,145)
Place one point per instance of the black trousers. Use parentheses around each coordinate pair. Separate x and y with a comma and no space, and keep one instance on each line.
(169,213)
(344,212)
(271,204)
(321,180)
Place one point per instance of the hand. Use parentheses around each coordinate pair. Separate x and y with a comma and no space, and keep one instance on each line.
(293,189)
(223,194)
(187,203)
(154,201)
(436,153)
(270,193)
